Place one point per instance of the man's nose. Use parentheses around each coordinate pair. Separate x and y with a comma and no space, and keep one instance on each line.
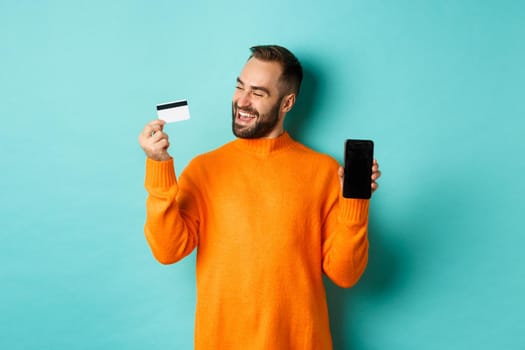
(243,99)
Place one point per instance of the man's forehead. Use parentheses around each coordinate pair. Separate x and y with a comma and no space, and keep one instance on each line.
(258,72)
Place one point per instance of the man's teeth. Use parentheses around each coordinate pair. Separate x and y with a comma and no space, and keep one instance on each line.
(246,115)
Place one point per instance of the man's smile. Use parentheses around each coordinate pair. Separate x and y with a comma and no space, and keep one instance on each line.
(246,117)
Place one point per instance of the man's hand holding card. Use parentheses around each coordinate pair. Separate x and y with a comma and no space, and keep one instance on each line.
(153,139)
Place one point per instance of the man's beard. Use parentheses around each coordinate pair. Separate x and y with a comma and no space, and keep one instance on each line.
(263,126)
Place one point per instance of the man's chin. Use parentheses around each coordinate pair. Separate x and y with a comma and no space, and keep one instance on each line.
(242,132)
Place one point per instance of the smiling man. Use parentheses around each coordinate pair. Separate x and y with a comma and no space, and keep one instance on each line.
(263,95)
(266,216)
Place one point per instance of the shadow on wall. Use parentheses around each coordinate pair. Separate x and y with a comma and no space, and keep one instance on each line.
(379,279)
(383,265)
(402,254)
(404,247)
(297,119)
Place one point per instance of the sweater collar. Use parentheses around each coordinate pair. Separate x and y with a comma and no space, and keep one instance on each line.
(264,146)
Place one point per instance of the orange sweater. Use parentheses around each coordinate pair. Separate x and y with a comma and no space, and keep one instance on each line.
(267,218)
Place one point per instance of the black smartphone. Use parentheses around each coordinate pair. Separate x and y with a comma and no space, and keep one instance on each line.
(359,156)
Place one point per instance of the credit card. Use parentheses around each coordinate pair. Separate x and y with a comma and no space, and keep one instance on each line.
(173,111)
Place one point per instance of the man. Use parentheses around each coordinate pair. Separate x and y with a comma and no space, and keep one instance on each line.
(266,215)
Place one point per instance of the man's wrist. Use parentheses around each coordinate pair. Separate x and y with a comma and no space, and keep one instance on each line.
(160,158)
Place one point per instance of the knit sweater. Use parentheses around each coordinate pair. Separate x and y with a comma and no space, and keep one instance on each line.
(267,219)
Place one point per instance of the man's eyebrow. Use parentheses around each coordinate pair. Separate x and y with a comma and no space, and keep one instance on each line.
(260,88)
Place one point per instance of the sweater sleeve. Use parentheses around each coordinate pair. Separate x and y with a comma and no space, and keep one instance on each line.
(171,234)
(345,245)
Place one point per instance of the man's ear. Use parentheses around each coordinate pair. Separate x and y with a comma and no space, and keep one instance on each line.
(287,103)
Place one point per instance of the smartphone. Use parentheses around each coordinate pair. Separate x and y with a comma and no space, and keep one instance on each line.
(359,156)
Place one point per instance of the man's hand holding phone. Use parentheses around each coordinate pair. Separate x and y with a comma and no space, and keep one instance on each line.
(154,141)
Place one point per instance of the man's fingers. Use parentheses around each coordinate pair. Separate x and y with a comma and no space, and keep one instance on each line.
(163,144)
(158,135)
(158,122)
(375,166)
(156,146)
(341,171)
(153,127)
(154,141)
(375,170)
(376,174)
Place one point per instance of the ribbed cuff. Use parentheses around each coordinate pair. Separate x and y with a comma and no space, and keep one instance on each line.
(160,174)
(352,210)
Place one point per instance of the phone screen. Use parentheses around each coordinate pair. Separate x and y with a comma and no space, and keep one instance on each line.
(359,156)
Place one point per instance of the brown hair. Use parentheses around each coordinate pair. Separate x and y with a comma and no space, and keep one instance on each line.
(292,71)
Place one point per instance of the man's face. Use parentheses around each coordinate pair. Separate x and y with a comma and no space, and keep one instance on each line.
(256,106)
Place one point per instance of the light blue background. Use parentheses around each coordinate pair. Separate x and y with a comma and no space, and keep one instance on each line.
(439,86)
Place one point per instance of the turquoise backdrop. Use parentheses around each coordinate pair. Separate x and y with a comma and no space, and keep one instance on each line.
(439,86)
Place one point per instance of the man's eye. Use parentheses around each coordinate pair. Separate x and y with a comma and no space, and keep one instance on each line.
(258,94)
(238,87)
